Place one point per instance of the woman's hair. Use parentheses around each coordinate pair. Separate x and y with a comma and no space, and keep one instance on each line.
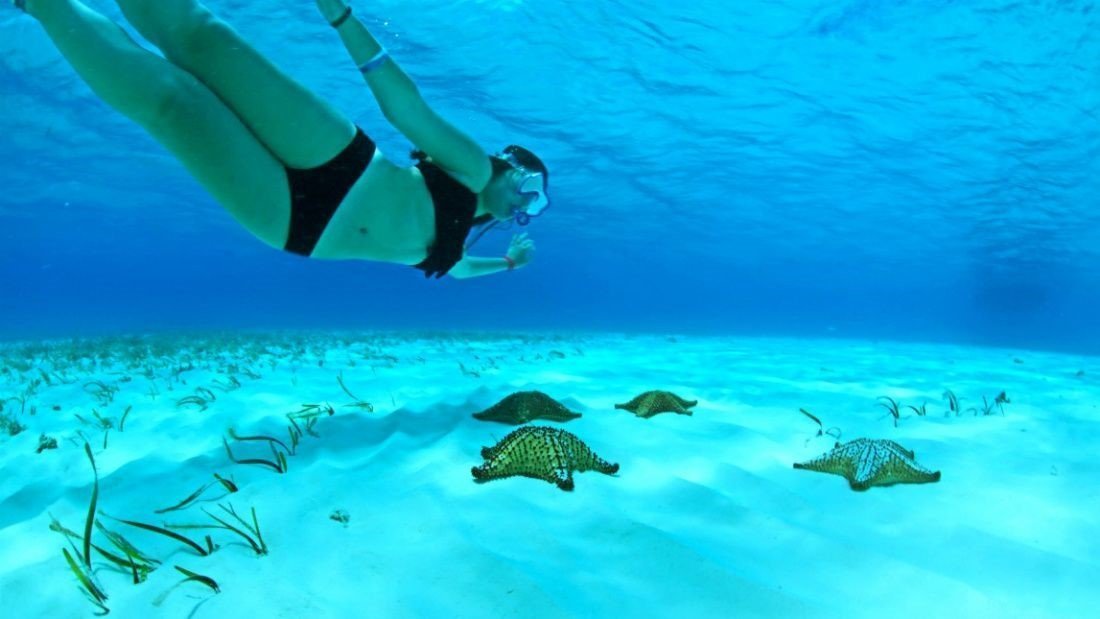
(528,160)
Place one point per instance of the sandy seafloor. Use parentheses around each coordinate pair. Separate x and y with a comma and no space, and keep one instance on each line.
(706,517)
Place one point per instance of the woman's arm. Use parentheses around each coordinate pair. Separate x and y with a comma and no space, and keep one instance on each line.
(401,103)
(520,252)
(475,266)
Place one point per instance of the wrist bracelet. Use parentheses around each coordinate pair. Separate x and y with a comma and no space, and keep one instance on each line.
(375,61)
(343,18)
(511,263)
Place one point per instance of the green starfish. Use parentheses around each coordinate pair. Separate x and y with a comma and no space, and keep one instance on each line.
(650,403)
(865,463)
(524,406)
(543,453)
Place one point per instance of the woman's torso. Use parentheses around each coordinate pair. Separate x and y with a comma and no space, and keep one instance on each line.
(386,216)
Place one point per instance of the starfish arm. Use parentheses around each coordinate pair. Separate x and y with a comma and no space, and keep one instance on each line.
(603,466)
(825,464)
(563,478)
(894,446)
(867,467)
(898,471)
(482,473)
(683,401)
(494,413)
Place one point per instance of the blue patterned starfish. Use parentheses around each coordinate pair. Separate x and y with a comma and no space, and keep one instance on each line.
(865,463)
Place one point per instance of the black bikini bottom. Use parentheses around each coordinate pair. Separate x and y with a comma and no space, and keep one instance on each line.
(316,193)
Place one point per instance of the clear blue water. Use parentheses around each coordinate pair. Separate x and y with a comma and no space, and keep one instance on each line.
(909,170)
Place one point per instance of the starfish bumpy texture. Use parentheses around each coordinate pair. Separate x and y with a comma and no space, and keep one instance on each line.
(650,403)
(543,453)
(865,463)
(524,406)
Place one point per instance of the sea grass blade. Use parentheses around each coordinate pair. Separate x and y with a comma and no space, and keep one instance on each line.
(113,558)
(294,436)
(194,495)
(258,544)
(274,466)
(138,565)
(97,596)
(810,415)
(91,509)
(125,546)
(206,580)
(295,425)
(340,379)
(229,485)
(176,536)
(55,525)
(256,529)
(261,462)
(270,439)
(246,536)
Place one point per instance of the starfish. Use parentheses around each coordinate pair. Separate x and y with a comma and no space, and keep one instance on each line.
(524,406)
(865,463)
(650,403)
(543,453)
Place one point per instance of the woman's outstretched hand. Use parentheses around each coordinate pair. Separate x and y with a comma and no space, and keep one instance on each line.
(331,10)
(521,250)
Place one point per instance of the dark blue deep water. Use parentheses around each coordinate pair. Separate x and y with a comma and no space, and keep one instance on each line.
(925,170)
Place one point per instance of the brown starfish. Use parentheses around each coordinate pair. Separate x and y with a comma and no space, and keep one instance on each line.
(650,403)
(865,463)
(545,453)
(524,406)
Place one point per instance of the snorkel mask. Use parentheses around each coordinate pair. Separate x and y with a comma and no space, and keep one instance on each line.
(532,186)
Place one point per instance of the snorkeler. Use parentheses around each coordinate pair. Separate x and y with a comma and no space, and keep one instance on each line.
(294,171)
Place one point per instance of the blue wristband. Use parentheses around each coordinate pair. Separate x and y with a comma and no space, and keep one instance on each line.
(375,62)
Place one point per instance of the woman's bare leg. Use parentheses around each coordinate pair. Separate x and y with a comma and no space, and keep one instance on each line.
(299,127)
(178,111)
